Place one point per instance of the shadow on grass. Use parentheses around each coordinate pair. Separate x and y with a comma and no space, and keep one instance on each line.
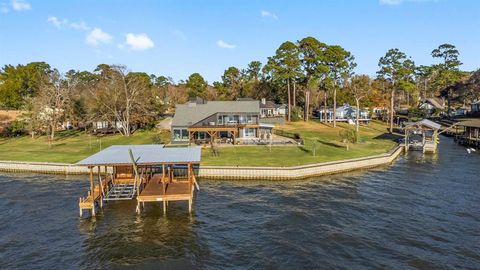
(64,135)
(328,124)
(303,149)
(389,136)
(330,144)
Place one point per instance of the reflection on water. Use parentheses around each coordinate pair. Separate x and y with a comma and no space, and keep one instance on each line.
(120,237)
(421,212)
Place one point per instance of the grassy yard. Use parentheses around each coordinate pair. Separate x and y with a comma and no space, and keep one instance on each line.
(70,146)
(324,138)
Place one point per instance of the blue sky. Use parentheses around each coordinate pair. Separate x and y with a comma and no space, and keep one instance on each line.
(177,38)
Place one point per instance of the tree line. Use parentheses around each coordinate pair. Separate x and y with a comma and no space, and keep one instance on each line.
(307,74)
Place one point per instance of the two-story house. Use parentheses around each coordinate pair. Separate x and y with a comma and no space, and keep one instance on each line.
(228,121)
(269,109)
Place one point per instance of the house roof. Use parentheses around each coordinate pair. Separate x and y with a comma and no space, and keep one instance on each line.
(436,102)
(245,99)
(268,104)
(188,114)
(425,122)
(149,154)
(470,123)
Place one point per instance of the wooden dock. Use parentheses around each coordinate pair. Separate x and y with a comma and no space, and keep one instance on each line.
(164,191)
(470,134)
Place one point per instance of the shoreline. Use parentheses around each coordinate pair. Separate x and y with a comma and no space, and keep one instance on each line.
(229,172)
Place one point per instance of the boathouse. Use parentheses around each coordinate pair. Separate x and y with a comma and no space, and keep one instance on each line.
(471,133)
(147,173)
(422,135)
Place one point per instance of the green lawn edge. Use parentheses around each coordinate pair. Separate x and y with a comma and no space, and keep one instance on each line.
(322,144)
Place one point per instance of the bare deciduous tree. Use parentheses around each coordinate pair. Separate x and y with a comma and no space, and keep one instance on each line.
(360,87)
(120,96)
(52,101)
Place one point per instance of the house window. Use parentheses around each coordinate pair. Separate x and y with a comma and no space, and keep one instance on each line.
(249,132)
(180,134)
(202,136)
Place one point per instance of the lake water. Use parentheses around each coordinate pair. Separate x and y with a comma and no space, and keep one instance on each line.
(423,212)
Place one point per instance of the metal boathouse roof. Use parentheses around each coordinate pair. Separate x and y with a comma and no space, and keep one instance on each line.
(149,154)
(425,122)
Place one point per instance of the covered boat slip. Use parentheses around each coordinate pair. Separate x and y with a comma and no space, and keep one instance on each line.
(149,173)
(422,135)
(470,136)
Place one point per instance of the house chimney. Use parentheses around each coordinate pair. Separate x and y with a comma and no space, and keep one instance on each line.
(264,101)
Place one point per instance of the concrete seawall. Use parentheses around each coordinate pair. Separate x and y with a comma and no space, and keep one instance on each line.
(298,172)
(229,172)
(42,167)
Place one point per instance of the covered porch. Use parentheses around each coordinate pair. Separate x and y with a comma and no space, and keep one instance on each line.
(222,134)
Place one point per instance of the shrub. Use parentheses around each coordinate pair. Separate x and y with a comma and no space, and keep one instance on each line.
(416,113)
(16,128)
(348,135)
(157,139)
(296,114)
(148,127)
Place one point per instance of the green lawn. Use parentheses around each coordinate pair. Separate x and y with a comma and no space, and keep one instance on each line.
(72,146)
(325,138)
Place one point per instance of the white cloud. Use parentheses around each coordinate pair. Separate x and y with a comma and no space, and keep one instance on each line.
(179,34)
(80,26)
(97,37)
(268,14)
(61,23)
(139,42)
(57,22)
(398,2)
(390,2)
(224,45)
(20,5)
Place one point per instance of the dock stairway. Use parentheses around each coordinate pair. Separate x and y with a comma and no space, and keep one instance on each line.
(123,191)
(120,192)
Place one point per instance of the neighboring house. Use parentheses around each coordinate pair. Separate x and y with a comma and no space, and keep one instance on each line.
(475,107)
(349,112)
(461,111)
(225,121)
(432,103)
(379,112)
(102,126)
(270,109)
(343,113)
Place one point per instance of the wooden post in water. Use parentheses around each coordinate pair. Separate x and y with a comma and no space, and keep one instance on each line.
(189,168)
(92,190)
(163,189)
(79,202)
(406,140)
(100,185)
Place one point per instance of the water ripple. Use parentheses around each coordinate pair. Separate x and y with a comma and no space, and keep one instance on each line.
(419,213)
